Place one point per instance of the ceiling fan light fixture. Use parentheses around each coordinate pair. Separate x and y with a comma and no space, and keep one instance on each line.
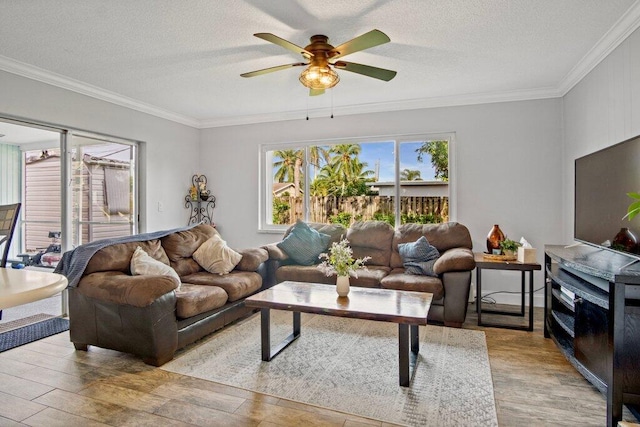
(319,77)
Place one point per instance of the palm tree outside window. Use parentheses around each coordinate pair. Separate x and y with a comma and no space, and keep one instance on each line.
(355,180)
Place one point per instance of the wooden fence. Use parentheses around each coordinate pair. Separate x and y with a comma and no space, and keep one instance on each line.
(353,208)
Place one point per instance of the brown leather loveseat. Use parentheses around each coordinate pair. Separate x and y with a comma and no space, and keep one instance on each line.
(148,315)
(450,285)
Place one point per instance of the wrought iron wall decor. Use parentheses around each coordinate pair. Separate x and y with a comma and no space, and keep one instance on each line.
(200,201)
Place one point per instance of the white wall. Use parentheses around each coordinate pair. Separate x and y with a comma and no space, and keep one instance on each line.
(508,168)
(171,149)
(507,155)
(602,110)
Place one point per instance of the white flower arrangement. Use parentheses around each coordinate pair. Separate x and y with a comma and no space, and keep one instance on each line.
(340,260)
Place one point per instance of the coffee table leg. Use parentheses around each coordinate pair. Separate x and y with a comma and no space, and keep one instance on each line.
(265,331)
(407,339)
(415,341)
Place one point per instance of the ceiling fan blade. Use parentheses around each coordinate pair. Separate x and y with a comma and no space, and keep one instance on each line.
(271,69)
(284,43)
(365,41)
(366,70)
(316,92)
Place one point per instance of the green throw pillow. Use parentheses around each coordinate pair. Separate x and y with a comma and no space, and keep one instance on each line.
(303,244)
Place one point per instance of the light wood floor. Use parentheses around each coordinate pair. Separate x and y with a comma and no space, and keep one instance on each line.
(48,383)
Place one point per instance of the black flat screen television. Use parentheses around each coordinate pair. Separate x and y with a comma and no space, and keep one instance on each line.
(602,181)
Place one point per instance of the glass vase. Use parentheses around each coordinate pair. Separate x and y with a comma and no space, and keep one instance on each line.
(494,238)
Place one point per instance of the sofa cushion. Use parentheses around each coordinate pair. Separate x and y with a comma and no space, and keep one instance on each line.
(237,284)
(195,299)
(303,273)
(118,257)
(443,236)
(275,252)
(456,259)
(401,281)
(216,257)
(336,232)
(251,259)
(143,265)
(369,278)
(181,245)
(418,257)
(303,244)
(371,238)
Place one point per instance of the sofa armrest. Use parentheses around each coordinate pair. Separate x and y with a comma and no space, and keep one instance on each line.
(275,252)
(120,288)
(457,285)
(251,259)
(456,259)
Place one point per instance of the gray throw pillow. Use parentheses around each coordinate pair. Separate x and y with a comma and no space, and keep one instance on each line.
(303,244)
(418,257)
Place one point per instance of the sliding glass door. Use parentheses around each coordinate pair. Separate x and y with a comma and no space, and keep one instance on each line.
(102,189)
(75,187)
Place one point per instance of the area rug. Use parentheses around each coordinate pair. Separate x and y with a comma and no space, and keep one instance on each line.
(351,366)
(33,332)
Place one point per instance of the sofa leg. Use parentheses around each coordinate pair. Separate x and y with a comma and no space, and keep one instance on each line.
(453,324)
(157,361)
(80,346)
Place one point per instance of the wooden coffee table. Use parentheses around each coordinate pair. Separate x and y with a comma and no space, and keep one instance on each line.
(407,309)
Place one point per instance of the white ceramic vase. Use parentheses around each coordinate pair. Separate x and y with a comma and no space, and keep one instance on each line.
(342,286)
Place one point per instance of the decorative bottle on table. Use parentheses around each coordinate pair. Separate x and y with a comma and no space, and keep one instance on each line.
(626,241)
(493,240)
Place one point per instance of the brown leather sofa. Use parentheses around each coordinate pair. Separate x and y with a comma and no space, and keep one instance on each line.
(380,241)
(147,315)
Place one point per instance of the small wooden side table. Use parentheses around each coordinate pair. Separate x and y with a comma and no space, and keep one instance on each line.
(483,263)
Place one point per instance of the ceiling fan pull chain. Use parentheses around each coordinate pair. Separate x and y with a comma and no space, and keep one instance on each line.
(307,108)
(331,90)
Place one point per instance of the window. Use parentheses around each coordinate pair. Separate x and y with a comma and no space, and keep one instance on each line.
(351,180)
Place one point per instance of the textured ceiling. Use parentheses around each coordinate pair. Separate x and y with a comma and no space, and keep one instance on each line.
(182,59)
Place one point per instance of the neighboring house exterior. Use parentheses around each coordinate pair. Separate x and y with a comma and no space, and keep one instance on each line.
(281,188)
(104,204)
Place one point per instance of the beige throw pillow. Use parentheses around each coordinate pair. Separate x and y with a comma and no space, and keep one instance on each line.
(216,257)
(142,264)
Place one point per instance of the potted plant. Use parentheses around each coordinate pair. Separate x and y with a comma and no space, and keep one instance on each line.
(340,261)
(634,208)
(509,247)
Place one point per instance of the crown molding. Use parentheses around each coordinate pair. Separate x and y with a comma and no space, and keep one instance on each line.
(35,73)
(386,107)
(627,24)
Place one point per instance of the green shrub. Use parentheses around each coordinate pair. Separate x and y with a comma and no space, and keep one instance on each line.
(280,213)
(419,218)
(341,218)
(387,217)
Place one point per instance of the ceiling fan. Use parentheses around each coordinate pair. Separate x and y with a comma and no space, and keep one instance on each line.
(323,58)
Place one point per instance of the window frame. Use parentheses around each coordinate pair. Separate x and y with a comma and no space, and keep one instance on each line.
(265,184)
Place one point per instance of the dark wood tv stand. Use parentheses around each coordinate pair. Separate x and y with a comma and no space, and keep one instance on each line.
(592,312)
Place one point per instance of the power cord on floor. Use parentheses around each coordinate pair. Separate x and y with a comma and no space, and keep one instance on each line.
(487,299)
